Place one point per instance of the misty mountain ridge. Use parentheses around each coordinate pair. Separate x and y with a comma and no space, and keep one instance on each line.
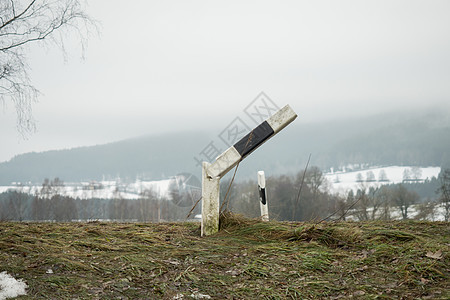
(388,139)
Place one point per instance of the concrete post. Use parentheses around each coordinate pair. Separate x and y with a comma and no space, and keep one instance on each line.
(210,202)
(262,196)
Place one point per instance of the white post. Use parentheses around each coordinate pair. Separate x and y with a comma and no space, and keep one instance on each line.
(210,202)
(262,196)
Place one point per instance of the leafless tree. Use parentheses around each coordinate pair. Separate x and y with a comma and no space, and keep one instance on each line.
(341,207)
(119,208)
(384,197)
(18,202)
(403,199)
(64,208)
(416,173)
(40,208)
(14,205)
(47,203)
(444,192)
(376,200)
(24,22)
(362,212)
(3,212)
(51,188)
(382,176)
(407,174)
(315,180)
(244,197)
(370,176)
(147,202)
(359,177)
(426,210)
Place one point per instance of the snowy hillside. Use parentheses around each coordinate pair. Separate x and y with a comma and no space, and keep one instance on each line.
(341,182)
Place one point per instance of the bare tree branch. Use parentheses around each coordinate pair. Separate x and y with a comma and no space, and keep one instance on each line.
(23,22)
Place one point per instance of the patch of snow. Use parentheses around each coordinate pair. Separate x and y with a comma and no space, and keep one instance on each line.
(197,295)
(11,287)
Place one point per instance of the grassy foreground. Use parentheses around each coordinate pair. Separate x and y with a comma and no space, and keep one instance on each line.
(247,259)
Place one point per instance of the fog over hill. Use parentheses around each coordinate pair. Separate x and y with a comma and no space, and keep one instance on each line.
(400,139)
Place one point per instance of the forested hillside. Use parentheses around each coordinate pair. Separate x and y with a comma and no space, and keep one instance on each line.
(377,140)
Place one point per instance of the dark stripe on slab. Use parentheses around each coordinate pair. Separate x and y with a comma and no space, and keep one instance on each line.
(255,138)
(262,195)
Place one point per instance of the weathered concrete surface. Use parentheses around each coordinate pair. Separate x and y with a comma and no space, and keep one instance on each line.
(210,202)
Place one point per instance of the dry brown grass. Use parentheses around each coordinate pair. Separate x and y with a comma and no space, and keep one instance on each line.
(247,259)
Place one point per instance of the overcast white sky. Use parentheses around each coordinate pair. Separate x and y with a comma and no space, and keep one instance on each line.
(180,65)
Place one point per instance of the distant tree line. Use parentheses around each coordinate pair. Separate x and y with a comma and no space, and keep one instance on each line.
(395,200)
(288,199)
(50,204)
(315,202)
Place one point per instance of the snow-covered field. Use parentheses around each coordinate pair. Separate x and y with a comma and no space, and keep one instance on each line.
(102,189)
(341,182)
